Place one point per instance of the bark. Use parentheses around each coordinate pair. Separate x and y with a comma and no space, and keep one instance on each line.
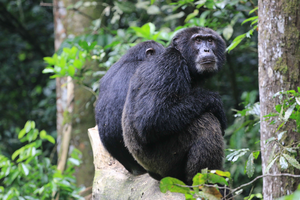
(279,64)
(73,119)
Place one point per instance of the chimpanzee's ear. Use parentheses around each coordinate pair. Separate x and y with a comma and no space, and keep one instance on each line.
(150,52)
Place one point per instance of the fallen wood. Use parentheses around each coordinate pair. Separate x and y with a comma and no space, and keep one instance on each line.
(113,182)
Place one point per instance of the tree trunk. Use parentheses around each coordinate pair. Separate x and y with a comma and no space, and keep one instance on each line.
(73,119)
(279,63)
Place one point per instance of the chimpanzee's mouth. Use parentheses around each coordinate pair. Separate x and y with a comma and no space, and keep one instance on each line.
(207,62)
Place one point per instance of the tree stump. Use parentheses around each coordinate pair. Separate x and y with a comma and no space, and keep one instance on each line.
(113,182)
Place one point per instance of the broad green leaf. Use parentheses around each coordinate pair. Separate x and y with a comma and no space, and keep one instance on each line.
(22,133)
(292,150)
(48,70)
(280,135)
(222,173)
(71,70)
(250,166)
(28,126)
(213,178)
(256,154)
(174,16)
(253,10)
(292,161)
(270,165)
(43,134)
(74,161)
(83,44)
(283,163)
(288,112)
(235,42)
(50,139)
(24,169)
(16,153)
(250,19)
(191,15)
(236,154)
(153,10)
(200,3)
(49,60)
(227,32)
(171,184)
(270,140)
(199,179)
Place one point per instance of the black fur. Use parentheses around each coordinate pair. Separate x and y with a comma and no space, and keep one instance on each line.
(171,125)
(113,89)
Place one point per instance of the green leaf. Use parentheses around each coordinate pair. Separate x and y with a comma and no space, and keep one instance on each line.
(199,179)
(227,32)
(22,133)
(270,165)
(83,44)
(283,163)
(74,161)
(270,140)
(24,169)
(250,166)
(71,70)
(253,10)
(171,184)
(250,19)
(292,161)
(50,60)
(280,135)
(16,153)
(50,139)
(256,154)
(27,126)
(221,173)
(43,134)
(191,15)
(213,178)
(78,64)
(288,112)
(153,10)
(235,42)
(48,70)
(236,154)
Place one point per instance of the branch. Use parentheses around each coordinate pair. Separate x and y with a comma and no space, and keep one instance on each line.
(262,176)
(240,187)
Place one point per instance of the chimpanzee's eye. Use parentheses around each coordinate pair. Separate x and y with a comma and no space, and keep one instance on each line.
(209,40)
(198,39)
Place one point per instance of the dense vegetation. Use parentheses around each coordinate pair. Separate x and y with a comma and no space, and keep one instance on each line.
(29,94)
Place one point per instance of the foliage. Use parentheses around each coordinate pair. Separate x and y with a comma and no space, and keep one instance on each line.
(26,36)
(29,173)
(200,187)
(287,111)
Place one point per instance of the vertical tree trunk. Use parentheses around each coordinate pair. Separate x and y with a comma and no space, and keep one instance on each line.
(73,119)
(279,64)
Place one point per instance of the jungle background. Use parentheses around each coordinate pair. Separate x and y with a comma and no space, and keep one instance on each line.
(26,93)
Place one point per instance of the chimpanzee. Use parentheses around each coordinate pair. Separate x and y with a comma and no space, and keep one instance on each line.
(171,125)
(113,89)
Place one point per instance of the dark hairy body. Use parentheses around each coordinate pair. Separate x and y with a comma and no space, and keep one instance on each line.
(171,125)
(112,93)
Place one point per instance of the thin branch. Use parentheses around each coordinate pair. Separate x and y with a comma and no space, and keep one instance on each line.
(240,187)
(262,176)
